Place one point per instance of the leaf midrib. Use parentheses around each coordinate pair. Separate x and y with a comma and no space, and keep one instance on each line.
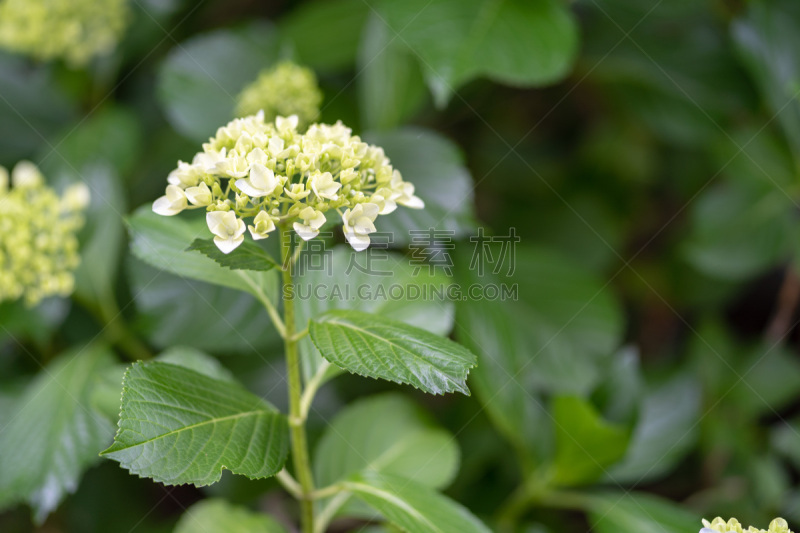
(193,426)
(387,496)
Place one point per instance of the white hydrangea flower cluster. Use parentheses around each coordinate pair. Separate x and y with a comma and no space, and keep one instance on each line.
(75,30)
(276,175)
(719,525)
(38,243)
(283,90)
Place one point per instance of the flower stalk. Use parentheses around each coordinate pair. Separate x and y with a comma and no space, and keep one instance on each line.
(297,419)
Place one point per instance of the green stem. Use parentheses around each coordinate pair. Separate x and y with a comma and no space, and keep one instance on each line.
(302,464)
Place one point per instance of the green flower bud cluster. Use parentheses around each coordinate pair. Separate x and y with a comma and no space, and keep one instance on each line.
(718,525)
(274,174)
(75,30)
(283,90)
(38,243)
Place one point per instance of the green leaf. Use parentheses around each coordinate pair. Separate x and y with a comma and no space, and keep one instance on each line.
(54,434)
(647,78)
(666,430)
(639,513)
(518,42)
(736,234)
(411,506)
(585,443)
(390,83)
(248,256)
(32,107)
(196,360)
(376,347)
(174,310)
(338,275)
(218,516)
(162,242)
(385,434)
(102,237)
(435,166)
(785,438)
(116,129)
(199,81)
(308,29)
(768,42)
(179,426)
(553,337)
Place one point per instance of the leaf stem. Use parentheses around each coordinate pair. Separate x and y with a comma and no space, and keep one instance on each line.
(330,510)
(311,389)
(265,301)
(302,463)
(330,490)
(290,484)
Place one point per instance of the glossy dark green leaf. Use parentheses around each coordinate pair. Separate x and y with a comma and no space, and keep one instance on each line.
(200,79)
(307,29)
(390,81)
(376,347)
(54,433)
(179,426)
(522,43)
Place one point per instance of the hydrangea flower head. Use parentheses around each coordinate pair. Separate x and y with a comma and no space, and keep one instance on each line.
(75,30)
(272,174)
(38,243)
(719,525)
(283,90)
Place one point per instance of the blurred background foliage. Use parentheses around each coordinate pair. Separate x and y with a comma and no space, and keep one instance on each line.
(646,153)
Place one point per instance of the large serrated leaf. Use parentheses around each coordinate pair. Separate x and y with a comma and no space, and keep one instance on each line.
(179,426)
(380,348)
(411,506)
(247,256)
(219,516)
(340,284)
(53,433)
